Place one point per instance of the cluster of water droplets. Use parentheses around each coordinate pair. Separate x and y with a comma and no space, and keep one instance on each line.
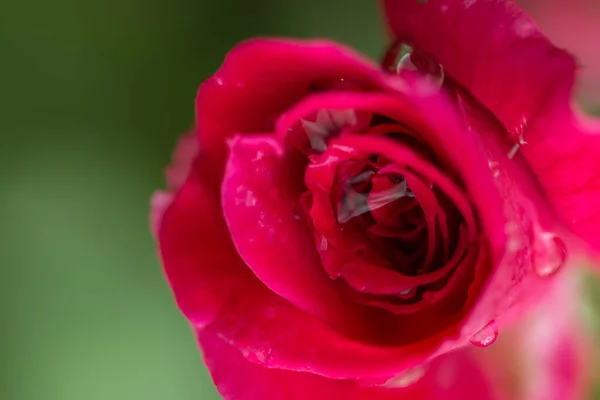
(549,255)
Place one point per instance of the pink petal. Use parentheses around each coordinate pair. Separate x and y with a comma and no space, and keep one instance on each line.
(453,377)
(564,153)
(181,164)
(200,262)
(260,198)
(159,202)
(176,174)
(217,291)
(261,78)
(573,25)
(499,55)
(492,49)
(547,355)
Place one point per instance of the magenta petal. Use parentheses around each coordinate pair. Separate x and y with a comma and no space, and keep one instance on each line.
(176,174)
(159,202)
(218,292)
(181,164)
(204,271)
(491,48)
(261,78)
(201,264)
(260,198)
(571,25)
(564,153)
(548,355)
(453,377)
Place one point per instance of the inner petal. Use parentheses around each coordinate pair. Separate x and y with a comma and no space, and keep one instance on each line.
(358,197)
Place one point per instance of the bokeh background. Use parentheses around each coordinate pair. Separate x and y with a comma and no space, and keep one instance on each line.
(92,97)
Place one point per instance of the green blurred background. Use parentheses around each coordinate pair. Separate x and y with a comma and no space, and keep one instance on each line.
(93,97)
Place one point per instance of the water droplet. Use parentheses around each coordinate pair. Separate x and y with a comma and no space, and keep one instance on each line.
(323,245)
(550,254)
(407,292)
(406,378)
(516,147)
(494,168)
(250,199)
(264,356)
(513,151)
(419,62)
(486,336)
(406,64)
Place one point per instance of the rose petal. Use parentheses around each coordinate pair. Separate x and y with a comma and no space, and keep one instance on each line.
(453,377)
(216,291)
(183,158)
(176,174)
(562,149)
(548,354)
(199,259)
(571,25)
(493,49)
(564,153)
(260,78)
(159,202)
(429,113)
(260,198)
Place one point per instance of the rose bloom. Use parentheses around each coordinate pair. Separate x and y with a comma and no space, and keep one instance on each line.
(335,229)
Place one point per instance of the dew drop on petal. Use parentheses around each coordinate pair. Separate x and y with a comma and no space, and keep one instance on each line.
(407,292)
(250,200)
(513,151)
(406,64)
(406,378)
(486,336)
(550,254)
(323,245)
(424,65)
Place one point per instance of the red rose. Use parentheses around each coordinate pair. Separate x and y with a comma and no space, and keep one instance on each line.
(332,226)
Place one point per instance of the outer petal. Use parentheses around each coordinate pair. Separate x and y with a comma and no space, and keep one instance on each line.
(261,78)
(544,358)
(260,197)
(199,259)
(491,48)
(574,26)
(547,355)
(456,376)
(499,55)
(176,174)
(564,152)
(217,291)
